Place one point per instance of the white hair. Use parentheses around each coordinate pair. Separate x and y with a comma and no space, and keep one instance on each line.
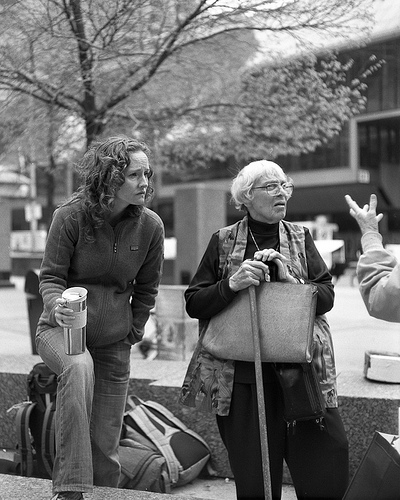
(245,180)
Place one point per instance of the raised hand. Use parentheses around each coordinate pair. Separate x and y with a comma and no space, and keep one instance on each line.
(366,217)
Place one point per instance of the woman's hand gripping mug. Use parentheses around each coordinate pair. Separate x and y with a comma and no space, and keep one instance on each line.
(75,337)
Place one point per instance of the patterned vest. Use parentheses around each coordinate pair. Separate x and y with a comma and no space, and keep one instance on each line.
(209,381)
(233,242)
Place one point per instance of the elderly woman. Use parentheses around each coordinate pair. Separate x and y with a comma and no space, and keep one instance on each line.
(236,257)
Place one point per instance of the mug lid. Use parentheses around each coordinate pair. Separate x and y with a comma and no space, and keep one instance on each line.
(75,293)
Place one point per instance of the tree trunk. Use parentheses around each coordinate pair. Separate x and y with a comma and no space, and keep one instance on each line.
(94,127)
(50,189)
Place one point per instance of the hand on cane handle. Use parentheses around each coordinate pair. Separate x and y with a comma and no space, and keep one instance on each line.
(283,274)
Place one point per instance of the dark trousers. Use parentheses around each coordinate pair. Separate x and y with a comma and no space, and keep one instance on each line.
(317,459)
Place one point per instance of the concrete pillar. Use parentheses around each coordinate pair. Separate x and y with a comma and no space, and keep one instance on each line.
(199,211)
(5,234)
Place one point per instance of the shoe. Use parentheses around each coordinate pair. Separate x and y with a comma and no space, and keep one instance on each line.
(68,495)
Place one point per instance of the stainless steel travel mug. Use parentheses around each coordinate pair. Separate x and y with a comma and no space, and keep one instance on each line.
(75,337)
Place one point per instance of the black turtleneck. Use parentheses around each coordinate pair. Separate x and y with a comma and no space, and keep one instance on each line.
(266,236)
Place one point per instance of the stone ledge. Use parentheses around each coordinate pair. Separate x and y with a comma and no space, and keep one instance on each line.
(24,488)
(166,373)
(365,406)
(353,384)
(158,372)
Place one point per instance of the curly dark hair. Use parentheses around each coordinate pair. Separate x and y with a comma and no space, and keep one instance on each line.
(102,172)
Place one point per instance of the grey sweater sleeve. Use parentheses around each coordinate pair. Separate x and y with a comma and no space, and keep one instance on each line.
(378,273)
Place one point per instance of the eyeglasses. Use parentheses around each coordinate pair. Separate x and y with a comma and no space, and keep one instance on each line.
(274,188)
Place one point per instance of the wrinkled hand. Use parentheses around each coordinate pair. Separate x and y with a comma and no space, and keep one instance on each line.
(270,254)
(250,272)
(366,217)
(63,314)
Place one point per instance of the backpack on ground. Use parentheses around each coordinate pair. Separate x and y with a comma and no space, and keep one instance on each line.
(143,467)
(35,424)
(183,453)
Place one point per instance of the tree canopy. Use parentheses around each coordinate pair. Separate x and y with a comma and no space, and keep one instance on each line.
(96,60)
(287,108)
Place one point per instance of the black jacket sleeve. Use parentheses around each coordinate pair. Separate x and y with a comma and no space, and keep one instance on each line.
(319,275)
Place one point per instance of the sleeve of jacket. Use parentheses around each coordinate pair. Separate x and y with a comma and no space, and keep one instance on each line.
(319,275)
(61,238)
(148,280)
(378,274)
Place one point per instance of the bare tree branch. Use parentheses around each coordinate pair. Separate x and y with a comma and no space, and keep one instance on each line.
(91,57)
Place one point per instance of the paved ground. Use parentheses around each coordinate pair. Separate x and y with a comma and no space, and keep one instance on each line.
(354,332)
(22,488)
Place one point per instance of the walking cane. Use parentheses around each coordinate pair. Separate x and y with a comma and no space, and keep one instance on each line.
(262,417)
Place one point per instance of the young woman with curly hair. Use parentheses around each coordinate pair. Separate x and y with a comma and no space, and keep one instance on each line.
(105,240)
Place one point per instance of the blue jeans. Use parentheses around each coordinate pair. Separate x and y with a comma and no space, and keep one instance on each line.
(91,395)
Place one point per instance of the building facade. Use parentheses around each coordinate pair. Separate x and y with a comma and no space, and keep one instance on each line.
(363,159)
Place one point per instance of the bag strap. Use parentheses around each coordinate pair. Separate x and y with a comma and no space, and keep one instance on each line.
(38,387)
(48,439)
(174,420)
(24,438)
(131,467)
(166,481)
(158,438)
(132,471)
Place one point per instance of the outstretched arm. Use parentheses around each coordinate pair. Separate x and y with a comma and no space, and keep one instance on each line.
(378,271)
